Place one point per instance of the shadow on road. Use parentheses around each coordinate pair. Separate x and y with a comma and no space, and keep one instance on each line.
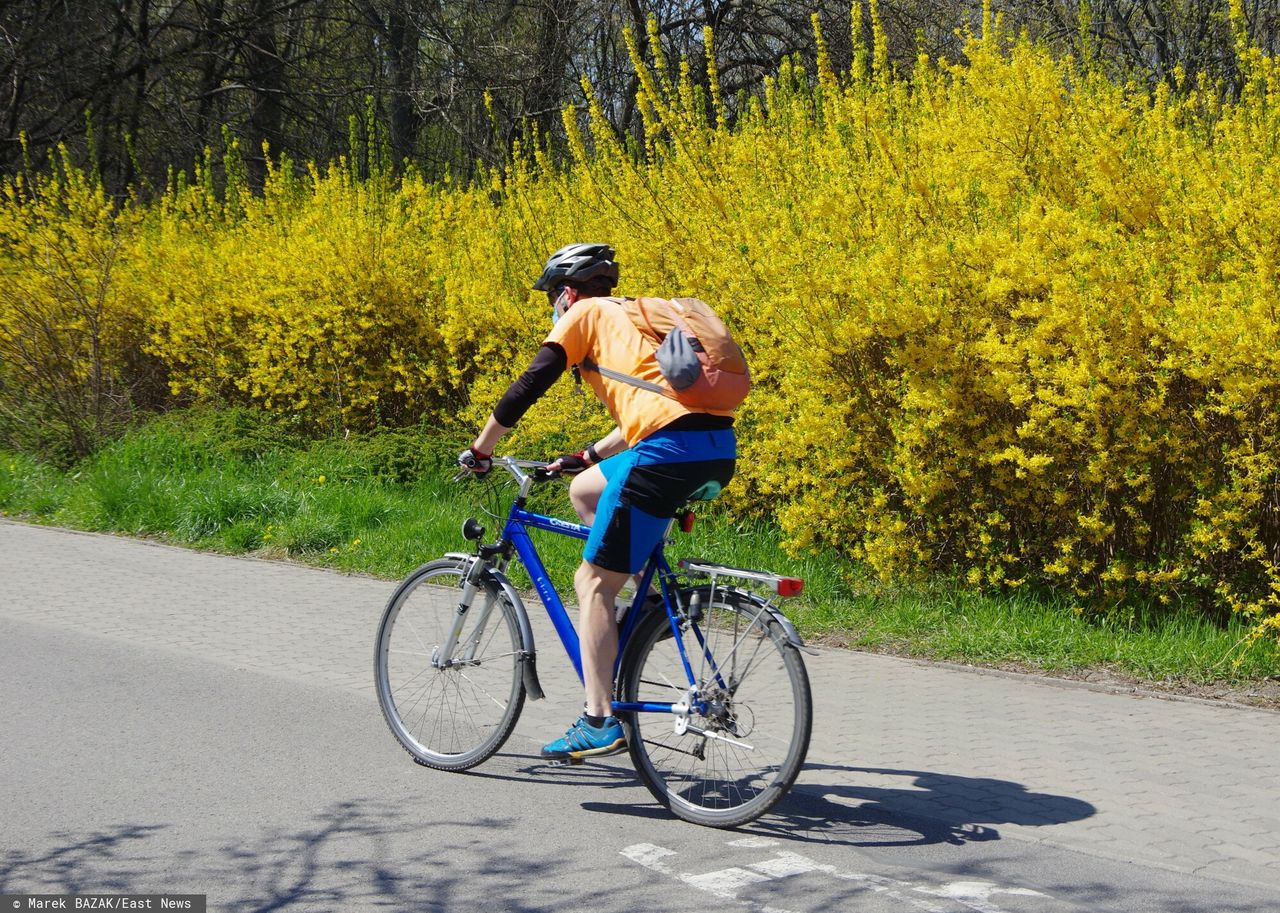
(352,856)
(609,773)
(364,855)
(867,806)
(80,863)
(872,806)
(856,806)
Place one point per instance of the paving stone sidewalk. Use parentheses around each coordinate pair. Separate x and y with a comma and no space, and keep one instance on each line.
(1182,785)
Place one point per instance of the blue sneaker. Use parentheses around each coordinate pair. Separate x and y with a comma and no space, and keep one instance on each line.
(586,741)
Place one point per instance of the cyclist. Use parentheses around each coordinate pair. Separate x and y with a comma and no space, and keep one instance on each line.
(629,483)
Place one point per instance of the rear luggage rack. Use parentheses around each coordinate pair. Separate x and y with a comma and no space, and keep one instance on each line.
(783,586)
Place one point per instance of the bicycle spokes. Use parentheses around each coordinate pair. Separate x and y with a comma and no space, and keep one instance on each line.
(738,733)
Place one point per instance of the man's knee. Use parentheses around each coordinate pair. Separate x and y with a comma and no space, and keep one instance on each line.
(592,580)
(585,491)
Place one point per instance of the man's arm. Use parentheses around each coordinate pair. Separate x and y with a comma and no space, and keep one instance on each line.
(488,438)
(611,443)
(607,446)
(546,368)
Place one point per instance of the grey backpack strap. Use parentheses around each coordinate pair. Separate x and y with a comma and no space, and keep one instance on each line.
(589,365)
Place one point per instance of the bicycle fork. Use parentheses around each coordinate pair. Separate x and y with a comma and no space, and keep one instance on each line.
(443,657)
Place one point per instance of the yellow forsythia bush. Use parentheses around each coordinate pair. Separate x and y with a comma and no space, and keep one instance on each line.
(72,344)
(320,302)
(1007,319)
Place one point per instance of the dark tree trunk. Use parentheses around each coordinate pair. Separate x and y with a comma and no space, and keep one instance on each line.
(546,95)
(211,71)
(265,76)
(403,38)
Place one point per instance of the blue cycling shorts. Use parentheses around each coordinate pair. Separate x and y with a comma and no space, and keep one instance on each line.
(647,484)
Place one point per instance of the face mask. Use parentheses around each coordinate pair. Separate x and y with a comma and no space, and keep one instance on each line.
(561,305)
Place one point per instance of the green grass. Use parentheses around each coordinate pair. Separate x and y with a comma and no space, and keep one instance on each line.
(235,482)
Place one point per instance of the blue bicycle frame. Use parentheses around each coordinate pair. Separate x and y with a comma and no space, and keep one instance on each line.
(516,532)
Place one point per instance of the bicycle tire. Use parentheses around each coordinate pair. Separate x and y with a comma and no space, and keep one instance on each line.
(456,717)
(765,704)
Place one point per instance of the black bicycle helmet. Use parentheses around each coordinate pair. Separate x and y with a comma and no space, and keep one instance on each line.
(579,264)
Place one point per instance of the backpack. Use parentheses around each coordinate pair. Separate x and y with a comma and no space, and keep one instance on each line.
(699,360)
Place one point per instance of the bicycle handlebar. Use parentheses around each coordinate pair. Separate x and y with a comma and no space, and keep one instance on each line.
(517,470)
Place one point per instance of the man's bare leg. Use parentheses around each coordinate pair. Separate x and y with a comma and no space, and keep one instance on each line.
(585,492)
(597,589)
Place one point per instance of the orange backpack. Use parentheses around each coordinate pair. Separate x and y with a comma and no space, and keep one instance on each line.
(699,360)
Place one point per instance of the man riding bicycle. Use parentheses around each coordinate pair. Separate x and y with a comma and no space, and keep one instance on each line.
(630,483)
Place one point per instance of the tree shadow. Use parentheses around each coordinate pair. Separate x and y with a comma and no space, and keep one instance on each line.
(353,855)
(81,863)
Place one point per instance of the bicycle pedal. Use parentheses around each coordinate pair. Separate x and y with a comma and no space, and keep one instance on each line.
(566,762)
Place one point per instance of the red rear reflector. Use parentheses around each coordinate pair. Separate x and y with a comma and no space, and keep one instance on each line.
(790,586)
(686,522)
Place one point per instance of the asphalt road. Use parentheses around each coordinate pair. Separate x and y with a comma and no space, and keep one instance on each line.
(136,767)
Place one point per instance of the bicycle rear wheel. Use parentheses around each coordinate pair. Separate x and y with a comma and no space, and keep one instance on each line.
(733,757)
(450,713)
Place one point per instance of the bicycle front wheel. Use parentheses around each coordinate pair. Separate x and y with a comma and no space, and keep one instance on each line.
(744,738)
(449,712)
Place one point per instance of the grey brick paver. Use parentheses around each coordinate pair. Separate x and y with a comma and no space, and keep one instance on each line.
(1176,784)
(1245,853)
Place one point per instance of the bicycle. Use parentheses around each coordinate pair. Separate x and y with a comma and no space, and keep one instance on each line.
(711,688)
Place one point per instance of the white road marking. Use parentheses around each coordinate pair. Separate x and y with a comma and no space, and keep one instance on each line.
(754,842)
(785,864)
(977,894)
(726,883)
(650,856)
